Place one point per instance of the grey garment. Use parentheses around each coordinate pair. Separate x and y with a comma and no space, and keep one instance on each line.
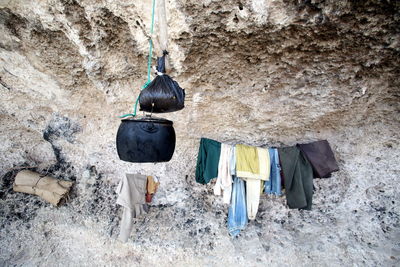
(131,195)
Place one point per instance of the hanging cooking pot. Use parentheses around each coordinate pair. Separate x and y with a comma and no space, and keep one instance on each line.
(146,140)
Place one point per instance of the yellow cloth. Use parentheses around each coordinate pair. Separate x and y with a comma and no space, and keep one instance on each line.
(252,162)
(152,185)
(264,163)
(247,162)
(253,165)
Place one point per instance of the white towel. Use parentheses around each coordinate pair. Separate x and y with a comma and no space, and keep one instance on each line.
(224,179)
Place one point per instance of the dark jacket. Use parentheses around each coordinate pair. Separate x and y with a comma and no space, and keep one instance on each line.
(321,158)
(298,178)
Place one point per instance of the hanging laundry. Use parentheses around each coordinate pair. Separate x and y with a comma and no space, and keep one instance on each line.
(152,186)
(273,185)
(233,161)
(264,163)
(298,178)
(237,214)
(321,158)
(224,179)
(282,175)
(247,163)
(131,196)
(207,160)
(252,165)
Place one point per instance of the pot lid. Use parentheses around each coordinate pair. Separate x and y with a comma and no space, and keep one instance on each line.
(147,119)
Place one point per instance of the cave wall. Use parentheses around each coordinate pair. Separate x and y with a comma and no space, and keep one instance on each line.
(260,72)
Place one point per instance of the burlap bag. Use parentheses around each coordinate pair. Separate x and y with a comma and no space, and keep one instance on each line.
(46,187)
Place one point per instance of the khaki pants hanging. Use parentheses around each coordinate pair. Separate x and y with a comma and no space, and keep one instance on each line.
(131,195)
(253,190)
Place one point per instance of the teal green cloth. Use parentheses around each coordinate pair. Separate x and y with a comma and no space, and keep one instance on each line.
(298,175)
(207,160)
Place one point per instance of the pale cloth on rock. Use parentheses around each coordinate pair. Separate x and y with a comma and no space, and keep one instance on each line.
(224,178)
(253,187)
(264,163)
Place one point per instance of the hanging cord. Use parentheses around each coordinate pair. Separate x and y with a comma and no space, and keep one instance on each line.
(148,62)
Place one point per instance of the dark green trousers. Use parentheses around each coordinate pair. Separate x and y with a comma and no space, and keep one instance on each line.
(298,175)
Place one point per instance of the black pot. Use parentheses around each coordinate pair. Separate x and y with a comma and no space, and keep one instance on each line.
(146,140)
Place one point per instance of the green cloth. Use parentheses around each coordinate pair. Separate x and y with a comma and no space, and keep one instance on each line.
(207,160)
(298,175)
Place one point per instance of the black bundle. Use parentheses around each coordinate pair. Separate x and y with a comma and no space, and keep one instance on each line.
(163,94)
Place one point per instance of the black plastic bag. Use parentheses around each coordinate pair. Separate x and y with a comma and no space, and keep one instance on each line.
(163,94)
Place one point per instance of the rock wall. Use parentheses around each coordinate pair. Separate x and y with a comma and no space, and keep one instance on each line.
(260,72)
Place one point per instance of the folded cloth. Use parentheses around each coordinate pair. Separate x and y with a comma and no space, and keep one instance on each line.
(321,158)
(152,186)
(207,160)
(237,215)
(131,195)
(298,178)
(224,179)
(247,162)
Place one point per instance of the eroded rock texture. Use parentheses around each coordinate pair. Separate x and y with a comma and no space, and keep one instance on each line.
(260,72)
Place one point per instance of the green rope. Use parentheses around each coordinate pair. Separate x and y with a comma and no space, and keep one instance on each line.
(148,63)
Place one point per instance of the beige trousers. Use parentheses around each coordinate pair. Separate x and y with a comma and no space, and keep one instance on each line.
(131,195)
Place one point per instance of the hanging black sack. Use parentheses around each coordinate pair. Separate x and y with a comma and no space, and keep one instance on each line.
(163,94)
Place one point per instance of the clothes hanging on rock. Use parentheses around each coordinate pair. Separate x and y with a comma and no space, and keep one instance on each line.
(247,162)
(254,170)
(237,213)
(131,196)
(321,158)
(207,160)
(298,178)
(264,163)
(252,164)
(224,180)
(273,185)
(233,161)
(253,188)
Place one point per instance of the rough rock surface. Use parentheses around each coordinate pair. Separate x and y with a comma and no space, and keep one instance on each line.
(260,72)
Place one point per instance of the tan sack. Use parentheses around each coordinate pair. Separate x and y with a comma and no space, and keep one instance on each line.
(46,187)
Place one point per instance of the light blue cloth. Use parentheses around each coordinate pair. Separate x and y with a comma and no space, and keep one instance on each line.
(233,161)
(273,186)
(237,213)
